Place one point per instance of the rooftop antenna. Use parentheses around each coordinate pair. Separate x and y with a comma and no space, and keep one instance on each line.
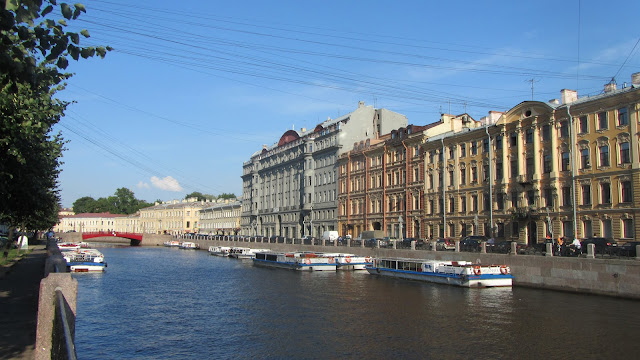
(532,80)
(375,102)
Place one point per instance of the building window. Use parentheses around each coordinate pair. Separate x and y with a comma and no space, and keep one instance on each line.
(485,145)
(487,201)
(586,194)
(548,197)
(463,204)
(431,207)
(547,164)
(584,125)
(500,201)
(565,161)
(451,205)
(529,136)
(567,229)
(515,228)
(474,175)
(451,177)
(602,121)
(529,163)
(474,148)
(452,150)
(430,181)
(627,228)
(624,153)
(474,203)
(623,117)
(514,199)
(605,193)
(604,155)
(499,170)
(485,173)
(566,196)
(432,155)
(564,129)
(463,176)
(607,229)
(531,199)
(546,132)
(514,168)
(513,139)
(587,228)
(499,142)
(463,150)
(584,159)
(626,191)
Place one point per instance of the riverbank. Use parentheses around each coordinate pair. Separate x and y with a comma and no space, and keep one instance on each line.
(19,294)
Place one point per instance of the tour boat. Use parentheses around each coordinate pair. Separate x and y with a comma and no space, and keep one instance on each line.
(67,246)
(219,250)
(187,245)
(460,273)
(85,260)
(352,262)
(244,252)
(172,243)
(302,261)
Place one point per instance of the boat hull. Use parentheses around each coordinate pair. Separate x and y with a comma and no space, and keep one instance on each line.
(86,267)
(488,280)
(296,265)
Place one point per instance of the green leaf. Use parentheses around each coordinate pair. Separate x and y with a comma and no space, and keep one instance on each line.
(62,22)
(46,10)
(12,5)
(66,11)
(62,63)
(85,33)
(50,23)
(74,52)
(75,38)
(80,7)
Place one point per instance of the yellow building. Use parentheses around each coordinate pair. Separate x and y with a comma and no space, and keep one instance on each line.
(174,217)
(221,218)
(88,222)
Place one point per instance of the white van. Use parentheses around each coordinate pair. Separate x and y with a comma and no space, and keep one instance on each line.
(330,236)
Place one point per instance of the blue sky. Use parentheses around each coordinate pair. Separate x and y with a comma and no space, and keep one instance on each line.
(194,87)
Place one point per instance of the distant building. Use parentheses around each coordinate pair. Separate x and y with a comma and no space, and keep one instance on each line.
(221,218)
(173,217)
(88,222)
(290,188)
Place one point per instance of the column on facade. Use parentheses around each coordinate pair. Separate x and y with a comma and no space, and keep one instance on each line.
(522,166)
(505,155)
(538,155)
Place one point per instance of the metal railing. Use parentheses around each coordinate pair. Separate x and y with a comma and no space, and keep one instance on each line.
(62,329)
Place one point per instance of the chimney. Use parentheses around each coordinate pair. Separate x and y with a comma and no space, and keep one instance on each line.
(554,101)
(610,86)
(303,130)
(360,104)
(567,96)
(635,79)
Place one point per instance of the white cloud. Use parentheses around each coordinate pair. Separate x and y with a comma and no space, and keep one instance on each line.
(167,183)
(143,185)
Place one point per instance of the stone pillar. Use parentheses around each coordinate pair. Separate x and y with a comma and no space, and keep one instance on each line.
(457,245)
(377,244)
(395,245)
(47,310)
(324,242)
(591,251)
(549,247)
(435,245)
(413,244)
(514,248)
(638,252)
(362,243)
(483,247)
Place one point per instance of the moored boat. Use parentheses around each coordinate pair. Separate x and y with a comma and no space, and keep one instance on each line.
(219,250)
(302,261)
(85,260)
(460,273)
(172,243)
(352,262)
(244,252)
(188,245)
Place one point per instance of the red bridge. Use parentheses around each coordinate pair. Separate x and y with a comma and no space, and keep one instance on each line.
(135,238)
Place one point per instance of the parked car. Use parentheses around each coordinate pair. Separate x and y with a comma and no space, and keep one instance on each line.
(406,243)
(627,249)
(504,247)
(445,244)
(602,245)
(471,243)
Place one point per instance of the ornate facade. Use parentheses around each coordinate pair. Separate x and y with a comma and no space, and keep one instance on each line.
(290,188)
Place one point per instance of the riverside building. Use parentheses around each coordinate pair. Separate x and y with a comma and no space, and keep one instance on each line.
(563,168)
(172,217)
(290,188)
(221,218)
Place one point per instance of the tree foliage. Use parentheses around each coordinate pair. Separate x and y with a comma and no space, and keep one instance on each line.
(34,51)
(123,201)
(202,197)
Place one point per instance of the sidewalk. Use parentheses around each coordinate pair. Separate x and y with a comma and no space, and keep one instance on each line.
(19,291)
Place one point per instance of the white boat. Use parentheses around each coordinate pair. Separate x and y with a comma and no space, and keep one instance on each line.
(460,273)
(172,243)
(187,245)
(302,261)
(352,262)
(219,250)
(67,246)
(85,260)
(244,252)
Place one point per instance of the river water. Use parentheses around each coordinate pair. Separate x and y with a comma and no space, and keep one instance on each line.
(167,303)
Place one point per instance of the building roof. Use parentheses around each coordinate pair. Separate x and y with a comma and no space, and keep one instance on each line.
(94,215)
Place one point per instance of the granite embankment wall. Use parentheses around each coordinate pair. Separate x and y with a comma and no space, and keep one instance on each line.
(611,277)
